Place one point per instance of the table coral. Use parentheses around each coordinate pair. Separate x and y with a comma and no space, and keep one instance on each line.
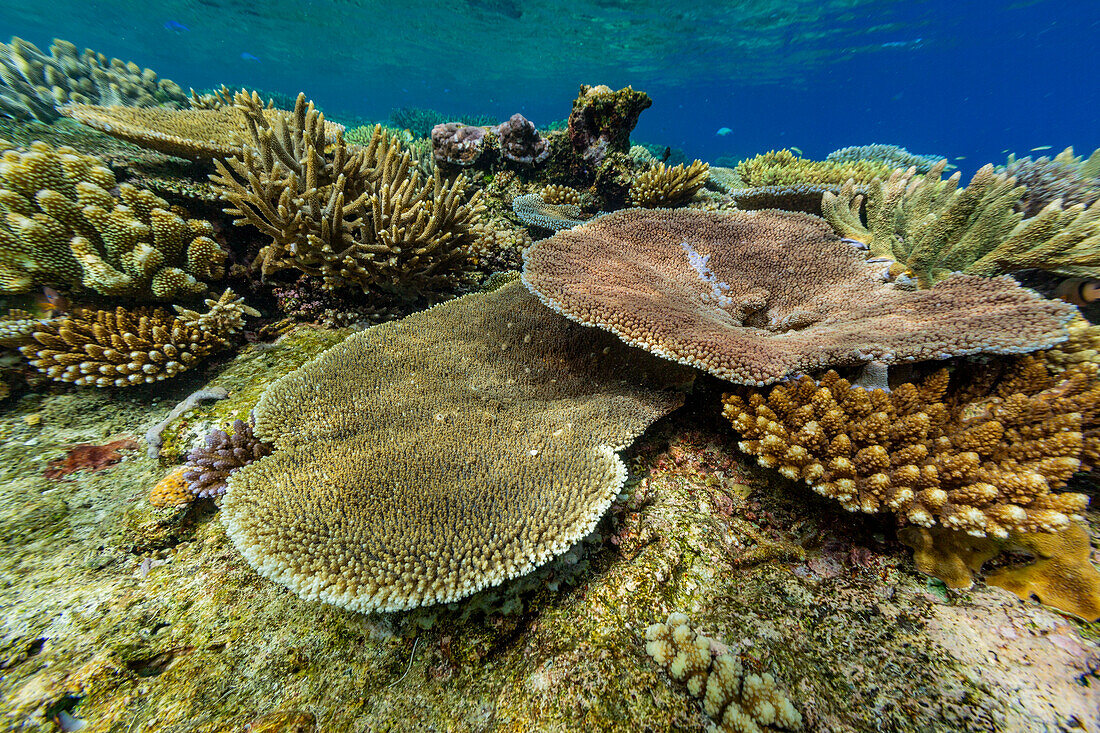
(422,460)
(980,451)
(33,85)
(667,186)
(534,210)
(891,156)
(357,218)
(784,168)
(123,347)
(66,225)
(741,702)
(796,197)
(752,297)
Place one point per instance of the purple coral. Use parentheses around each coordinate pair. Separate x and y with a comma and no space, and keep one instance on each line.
(456,143)
(210,465)
(520,142)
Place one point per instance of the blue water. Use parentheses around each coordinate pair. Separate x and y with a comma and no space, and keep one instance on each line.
(958,78)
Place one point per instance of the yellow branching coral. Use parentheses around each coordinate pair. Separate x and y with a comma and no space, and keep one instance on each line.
(664,186)
(741,702)
(557,194)
(979,452)
(935,228)
(17,327)
(63,225)
(422,460)
(361,217)
(784,168)
(121,348)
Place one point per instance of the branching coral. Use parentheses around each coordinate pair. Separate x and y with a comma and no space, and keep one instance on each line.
(755,296)
(358,218)
(64,226)
(664,186)
(784,168)
(741,702)
(211,464)
(888,155)
(422,460)
(121,348)
(33,84)
(935,228)
(980,451)
(1046,181)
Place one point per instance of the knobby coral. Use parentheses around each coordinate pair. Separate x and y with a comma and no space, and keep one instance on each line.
(359,218)
(210,465)
(741,702)
(754,296)
(422,460)
(663,185)
(33,85)
(122,347)
(784,168)
(980,451)
(935,228)
(64,226)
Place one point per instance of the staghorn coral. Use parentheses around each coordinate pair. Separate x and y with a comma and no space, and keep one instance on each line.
(784,168)
(1046,181)
(533,210)
(121,348)
(33,85)
(935,228)
(520,142)
(211,464)
(64,225)
(359,218)
(601,121)
(172,490)
(891,156)
(186,133)
(664,186)
(422,460)
(980,451)
(17,327)
(752,297)
(741,702)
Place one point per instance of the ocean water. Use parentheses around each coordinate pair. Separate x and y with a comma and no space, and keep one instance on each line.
(960,79)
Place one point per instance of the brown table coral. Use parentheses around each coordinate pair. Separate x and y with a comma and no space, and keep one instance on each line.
(752,297)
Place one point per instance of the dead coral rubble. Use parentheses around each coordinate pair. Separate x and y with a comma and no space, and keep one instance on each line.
(980,451)
(752,297)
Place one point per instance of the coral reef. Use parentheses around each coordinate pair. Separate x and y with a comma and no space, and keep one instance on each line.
(556,194)
(65,226)
(358,218)
(1046,181)
(947,554)
(665,186)
(420,121)
(891,156)
(186,133)
(601,121)
(784,168)
(935,228)
(979,451)
(804,197)
(752,297)
(520,142)
(739,701)
(88,457)
(457,144)
(1082,346)
(122,347)
(172,490)
(33,85)
(534,210)
(17,327)
(721,179)
(211,464)
(481,445)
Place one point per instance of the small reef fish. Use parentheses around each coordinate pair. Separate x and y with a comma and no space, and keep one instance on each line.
(51,303)
(249,57)
(1041,147)
(960,157)
(176,27)
(796,151)
(723,131)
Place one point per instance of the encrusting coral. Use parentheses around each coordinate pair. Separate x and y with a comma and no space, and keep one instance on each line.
(796,197)
(891,156)
(422,460)
(122,347)
(741,702)
(359,218)
(33,85)
(979,451)
(784,168)
(935,228)
(65,226)
(662,185)
(753,296)
(210,465)
(172,490)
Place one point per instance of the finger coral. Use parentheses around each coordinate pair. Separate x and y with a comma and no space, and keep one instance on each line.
(935,228)
(64,225)
(33,85)
(667,186)
(980,451)
(356,219)
(422,460)
(752,297)
(211,464)
(784,168)
(121,348)
(741,702)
